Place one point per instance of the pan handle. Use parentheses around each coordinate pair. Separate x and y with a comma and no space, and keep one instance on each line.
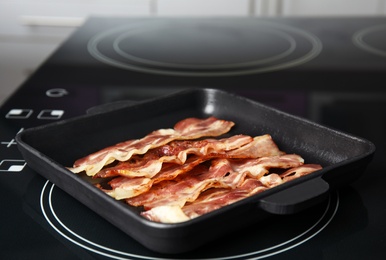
(296,198)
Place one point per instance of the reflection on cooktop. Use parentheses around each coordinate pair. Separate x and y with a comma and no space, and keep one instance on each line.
(206,48)
(372,39)
(80,228)
(92,233)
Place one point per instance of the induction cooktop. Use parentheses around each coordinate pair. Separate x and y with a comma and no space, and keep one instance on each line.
(328,70)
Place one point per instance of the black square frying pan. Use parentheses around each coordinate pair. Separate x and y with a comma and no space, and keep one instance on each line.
(49,149)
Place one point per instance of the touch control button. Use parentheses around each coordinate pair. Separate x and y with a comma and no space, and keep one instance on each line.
(9,165)
(50,114)
(17,113)
(12,142)
(56,92)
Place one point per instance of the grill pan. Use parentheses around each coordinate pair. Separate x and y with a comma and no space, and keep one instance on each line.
(48,149)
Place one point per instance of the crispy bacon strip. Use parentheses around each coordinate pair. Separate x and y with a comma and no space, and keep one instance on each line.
(174,152)
(238,146)
(210,200)
(261,146)
(130,187)
(187,129)
(123,187)
(216,198)
(222,173)
(213,199)
(300,171)
(257,168)
(165,171)
(183,188)
(166,214)
(126,187)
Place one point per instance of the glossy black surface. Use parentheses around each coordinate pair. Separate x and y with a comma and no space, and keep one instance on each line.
(342,156)
(338,86)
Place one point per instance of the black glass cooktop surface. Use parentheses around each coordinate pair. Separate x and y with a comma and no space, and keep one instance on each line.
(326,70)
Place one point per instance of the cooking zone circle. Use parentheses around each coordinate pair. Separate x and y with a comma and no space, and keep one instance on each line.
(82,227)
(204,48)
(372,39)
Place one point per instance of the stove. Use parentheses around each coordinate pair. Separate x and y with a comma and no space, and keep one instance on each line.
(326,70)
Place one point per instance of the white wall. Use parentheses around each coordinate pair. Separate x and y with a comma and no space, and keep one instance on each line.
(330,8)
(30,30)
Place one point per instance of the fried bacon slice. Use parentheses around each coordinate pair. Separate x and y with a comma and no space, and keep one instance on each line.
(300,171)
(208,201)
(185,187)
(123,188)
(187,129)
(176,175)
(257,168)
(174,152)
(262,145)
(216,198)
(238,146)
(213,199)
(223,173)
(169,171)
(126,187)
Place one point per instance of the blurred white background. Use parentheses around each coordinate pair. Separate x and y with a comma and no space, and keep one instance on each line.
(30,30)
